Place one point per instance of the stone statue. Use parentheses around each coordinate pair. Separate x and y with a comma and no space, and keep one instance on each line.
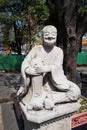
(43,75)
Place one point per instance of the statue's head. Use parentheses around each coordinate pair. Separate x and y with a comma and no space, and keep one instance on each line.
(49,34)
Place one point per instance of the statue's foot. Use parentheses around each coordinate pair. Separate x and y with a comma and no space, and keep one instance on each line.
(48,104)
(29,106)
(37,102)
(38,105)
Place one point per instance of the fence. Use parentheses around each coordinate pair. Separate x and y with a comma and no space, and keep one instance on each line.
(11,62)
(82,58)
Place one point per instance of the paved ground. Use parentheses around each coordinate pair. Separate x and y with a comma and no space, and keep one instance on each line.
(10,79)
(9,83)
(1,124)
(82,69)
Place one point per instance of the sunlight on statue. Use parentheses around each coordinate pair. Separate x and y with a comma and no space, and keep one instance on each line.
(43,75)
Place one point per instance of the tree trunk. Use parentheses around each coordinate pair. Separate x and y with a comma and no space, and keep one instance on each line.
(64,16)
(18,39)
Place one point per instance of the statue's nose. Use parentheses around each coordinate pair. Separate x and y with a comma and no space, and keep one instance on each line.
(50,35)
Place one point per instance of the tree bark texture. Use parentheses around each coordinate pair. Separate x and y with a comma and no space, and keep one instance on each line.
(71,26)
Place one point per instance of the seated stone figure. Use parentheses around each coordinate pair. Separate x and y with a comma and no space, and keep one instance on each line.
(43,75)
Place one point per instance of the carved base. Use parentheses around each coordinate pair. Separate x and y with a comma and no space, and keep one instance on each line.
(57,119)
(45,115)
(60,123)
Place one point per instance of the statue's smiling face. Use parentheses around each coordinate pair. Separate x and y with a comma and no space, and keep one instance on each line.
(49,35)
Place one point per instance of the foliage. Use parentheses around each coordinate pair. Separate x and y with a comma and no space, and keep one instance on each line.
(82,7)
(83,107)
(24,15)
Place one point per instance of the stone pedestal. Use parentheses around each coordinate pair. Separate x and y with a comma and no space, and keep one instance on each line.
(57,119)
(59,123)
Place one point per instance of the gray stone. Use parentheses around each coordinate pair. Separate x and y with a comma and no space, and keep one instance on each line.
(57,119)
(8,117)
(60,123)
(5,93)
(45,115)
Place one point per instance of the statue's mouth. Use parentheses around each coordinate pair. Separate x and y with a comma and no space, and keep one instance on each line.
(50,38)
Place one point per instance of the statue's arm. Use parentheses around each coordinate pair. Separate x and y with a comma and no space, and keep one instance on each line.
(42,69)
(55,62)
(26,64)
(58,59)
(25,79)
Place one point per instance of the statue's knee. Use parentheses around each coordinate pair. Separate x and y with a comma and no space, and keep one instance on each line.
(74,92)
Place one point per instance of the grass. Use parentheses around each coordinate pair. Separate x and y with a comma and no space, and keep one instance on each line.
(83,108)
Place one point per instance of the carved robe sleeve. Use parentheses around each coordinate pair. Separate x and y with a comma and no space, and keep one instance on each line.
(59,80)
(26,63)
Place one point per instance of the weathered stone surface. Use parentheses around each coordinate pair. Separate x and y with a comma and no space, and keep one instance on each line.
(5,93)
(45,115)
(61,123)
(8,84)
(1,124)
(8,117)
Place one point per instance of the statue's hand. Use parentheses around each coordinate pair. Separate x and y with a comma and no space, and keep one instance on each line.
(30,71)
(21,91)
(42,69)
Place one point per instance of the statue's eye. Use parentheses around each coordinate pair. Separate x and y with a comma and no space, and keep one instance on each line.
(46,34)
(53,33)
